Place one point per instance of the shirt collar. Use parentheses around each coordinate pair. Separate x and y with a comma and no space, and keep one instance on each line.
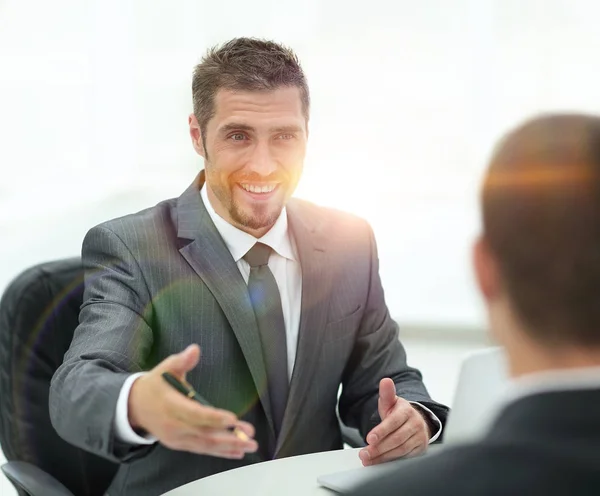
(554,381)
(239,242)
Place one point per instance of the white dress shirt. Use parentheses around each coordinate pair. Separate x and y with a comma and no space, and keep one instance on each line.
(284,265)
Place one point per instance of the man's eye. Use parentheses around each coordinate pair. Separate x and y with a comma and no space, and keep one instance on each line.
(237,137)
(286,136)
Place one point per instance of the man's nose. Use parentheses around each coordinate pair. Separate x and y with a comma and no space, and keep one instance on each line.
(262,162)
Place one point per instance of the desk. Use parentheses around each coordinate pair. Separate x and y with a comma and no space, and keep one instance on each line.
(292,476)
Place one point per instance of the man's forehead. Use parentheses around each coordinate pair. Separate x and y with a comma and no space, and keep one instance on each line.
(282,100)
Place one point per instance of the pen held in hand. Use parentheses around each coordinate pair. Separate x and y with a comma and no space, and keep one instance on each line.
(193,395)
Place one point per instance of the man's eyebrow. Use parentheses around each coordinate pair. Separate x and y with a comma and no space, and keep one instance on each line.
(235,126)
(240,126)
(286,129)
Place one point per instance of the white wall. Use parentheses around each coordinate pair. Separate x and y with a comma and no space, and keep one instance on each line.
(408,98)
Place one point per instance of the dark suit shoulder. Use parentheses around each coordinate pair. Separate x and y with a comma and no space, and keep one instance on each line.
(493,469)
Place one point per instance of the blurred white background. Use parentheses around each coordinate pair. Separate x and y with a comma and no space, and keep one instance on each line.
(408,99)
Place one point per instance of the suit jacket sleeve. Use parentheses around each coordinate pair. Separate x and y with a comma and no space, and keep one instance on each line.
(113,340)
(377,354)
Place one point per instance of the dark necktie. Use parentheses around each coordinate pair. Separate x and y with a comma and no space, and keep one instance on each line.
(266,301)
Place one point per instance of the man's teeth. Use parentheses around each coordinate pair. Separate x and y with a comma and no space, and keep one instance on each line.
(259,189)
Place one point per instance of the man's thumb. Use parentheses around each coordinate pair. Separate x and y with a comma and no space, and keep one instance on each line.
(182,362)
(387,396)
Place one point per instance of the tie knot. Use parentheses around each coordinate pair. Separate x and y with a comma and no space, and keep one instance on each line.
(258,255)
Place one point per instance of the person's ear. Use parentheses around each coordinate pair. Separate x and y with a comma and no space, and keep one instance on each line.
(486,270)
(196,135)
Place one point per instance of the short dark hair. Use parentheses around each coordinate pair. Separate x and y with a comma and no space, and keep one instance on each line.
(247,64)
(541,219)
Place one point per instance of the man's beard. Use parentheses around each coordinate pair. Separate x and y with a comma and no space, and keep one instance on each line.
(260,218)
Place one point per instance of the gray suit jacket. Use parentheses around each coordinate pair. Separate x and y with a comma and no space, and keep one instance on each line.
(163,278)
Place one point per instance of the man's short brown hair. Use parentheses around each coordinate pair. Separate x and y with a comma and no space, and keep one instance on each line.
(541,216)
(245,64)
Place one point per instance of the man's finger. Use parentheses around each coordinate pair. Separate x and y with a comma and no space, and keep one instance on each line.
(180,363)
(234,455)
(216,443)
(246,428)
(387,397)
(196,448)
(226,441)
(413,447)
(197,415)
(391,423)
(418,450)
(399,437)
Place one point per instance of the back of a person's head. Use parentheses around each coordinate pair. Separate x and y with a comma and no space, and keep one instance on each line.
(541,219)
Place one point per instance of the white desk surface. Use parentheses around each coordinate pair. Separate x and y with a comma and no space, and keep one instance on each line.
(292,476)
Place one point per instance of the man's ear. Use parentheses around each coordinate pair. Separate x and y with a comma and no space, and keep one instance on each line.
(486,270)
(196,135)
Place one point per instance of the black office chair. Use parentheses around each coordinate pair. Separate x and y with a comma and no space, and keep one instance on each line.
(38,315)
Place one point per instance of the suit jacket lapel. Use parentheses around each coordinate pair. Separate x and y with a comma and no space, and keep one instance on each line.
(311,244)
(208,255)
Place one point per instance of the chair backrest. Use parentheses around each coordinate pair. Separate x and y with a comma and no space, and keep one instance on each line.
(480,390)
(38,313)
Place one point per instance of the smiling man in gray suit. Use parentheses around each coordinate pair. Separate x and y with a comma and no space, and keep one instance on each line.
(282,297)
